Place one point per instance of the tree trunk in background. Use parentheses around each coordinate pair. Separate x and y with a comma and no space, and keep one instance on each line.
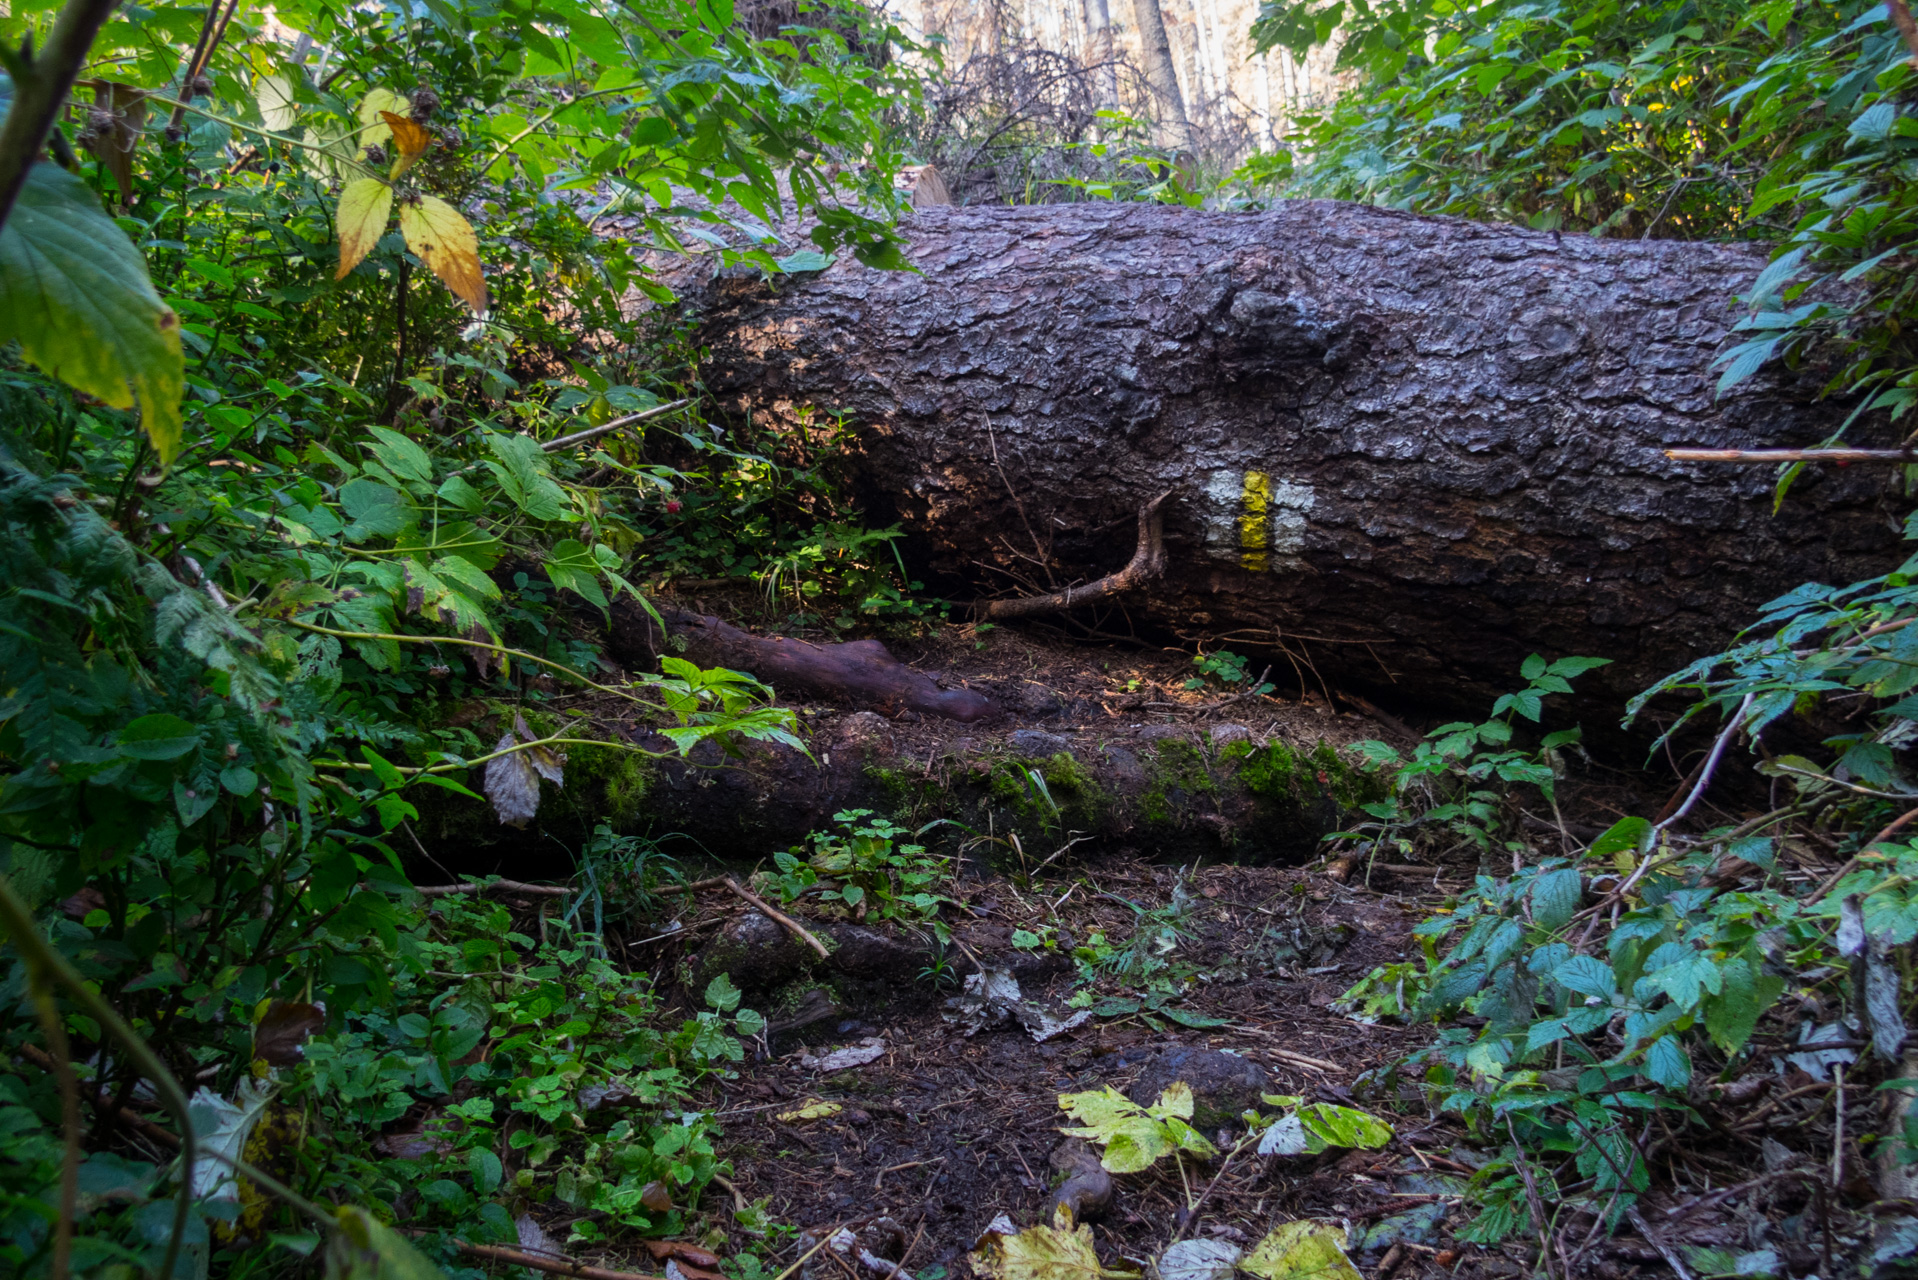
(1408,451)
(1099,51)
(1163,77)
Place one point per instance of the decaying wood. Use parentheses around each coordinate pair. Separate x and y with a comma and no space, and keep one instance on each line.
(1412,450)
(860,673)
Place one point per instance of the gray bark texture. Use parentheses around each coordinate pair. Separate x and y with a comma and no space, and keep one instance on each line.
(1405,451)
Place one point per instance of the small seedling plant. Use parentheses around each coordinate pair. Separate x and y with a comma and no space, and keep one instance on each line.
(864,866)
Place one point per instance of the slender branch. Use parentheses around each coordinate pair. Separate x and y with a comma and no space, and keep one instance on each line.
(1901,18)
(594,433)
(1736,723)
(798,930)
(40,86)
(1147,562)
(1792,455)
(473,644)
(513,886)
(557,740)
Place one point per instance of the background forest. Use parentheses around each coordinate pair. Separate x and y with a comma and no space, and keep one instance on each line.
(335,405)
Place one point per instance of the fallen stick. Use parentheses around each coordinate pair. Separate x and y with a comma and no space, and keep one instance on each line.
(515,886)
(793,926)
(551,1265)
(41,1058)
(1791,455)
(1297,1059)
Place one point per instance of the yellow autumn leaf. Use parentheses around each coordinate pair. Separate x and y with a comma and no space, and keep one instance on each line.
(374,131)
(814,1110)
(444,241)
(409,139)
(361,218)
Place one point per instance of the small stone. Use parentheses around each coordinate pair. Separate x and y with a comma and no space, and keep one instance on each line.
(1224,735)
(755,952)
(1223,1085)
(1036,744)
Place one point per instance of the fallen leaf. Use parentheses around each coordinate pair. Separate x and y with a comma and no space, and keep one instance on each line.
(812,1111)
(1199,1260)
(1037,1253)
(870,1049)
(223,1128)
(361,220)
(683,1250)
(113,129)
(656,1197)
(1305,1250)
(444,241)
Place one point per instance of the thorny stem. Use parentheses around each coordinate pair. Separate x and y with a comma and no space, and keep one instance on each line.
(555,741)
(475,644)
(40,86)
(17,921)
(48,1011)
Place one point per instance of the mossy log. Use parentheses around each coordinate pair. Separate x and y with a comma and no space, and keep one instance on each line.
(1405,451)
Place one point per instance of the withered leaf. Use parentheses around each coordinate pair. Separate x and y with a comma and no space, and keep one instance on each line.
(512,785)
(548,763)
(279,1035)
(113,129)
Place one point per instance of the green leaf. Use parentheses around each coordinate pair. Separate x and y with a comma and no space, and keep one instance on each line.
(722,995)
(74,293)
(523,472)
(1304,1250)
(364,1248)
(1588,976)
(158,737)
(1627,835)
(1555,896)
(1337,1126)
(1666,1064)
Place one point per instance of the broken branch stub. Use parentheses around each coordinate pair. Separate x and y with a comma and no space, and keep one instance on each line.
(1148,562)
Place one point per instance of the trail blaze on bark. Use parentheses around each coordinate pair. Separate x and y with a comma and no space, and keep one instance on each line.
(1414,449)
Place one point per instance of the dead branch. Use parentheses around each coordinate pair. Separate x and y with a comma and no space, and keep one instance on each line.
(793,926)
(1147,562)
(511,886)
(550,1265)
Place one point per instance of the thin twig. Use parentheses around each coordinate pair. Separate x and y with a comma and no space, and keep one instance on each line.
(792,926)
(1732,727)
(515,886)
(1890,830)
(594,433)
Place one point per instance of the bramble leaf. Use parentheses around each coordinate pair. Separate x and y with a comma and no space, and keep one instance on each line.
(361,219)
(445,242)
(74,294)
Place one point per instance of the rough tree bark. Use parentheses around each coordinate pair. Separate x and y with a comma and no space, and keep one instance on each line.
(1407,451)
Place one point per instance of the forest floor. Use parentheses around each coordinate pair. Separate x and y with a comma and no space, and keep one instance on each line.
(1192,965)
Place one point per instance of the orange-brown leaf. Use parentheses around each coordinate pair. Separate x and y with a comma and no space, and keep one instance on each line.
(374,131)
(444,241)
(361,219)
(409,139)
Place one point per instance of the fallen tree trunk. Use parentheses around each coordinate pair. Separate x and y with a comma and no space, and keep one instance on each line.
(1403,451)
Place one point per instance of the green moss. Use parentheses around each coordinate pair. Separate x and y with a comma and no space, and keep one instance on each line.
(1278,773)
(1082,803)
(609,784)
(909,796)
(1175,775)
